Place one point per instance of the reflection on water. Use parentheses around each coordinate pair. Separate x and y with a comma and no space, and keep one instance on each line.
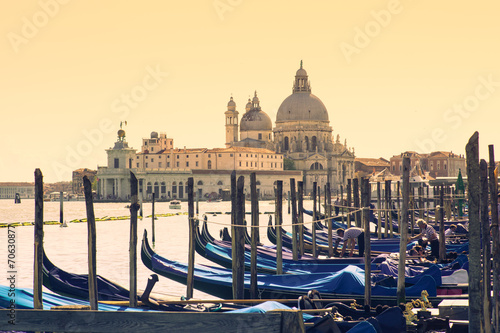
(67,247)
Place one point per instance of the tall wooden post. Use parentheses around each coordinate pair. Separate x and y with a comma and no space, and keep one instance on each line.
(427,204)
(319,200)
(239,243)
(349,202)
(61,207)
(485,236)
(89,204)
(421,202)
(288,197)
(134,207)
(366,192)
(472,153)
(300,203)
(191,244)
(293,194)
(442,243)
(342,209)
(379,224)
(278,222)
(388,212)
(315,218)
(38,248)
(412,207)
(493,185)
(403,229)
(153,237)
(254,235)
(355,192)
(328,195)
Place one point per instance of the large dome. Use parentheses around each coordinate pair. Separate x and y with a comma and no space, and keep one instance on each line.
(302,106)
(255,120)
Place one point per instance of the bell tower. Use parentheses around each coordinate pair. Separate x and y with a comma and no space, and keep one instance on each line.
(231,116)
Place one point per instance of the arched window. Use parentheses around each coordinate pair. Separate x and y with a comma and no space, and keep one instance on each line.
(209,165)
(257,183)
(306,139)
(285,147)
(199,183)
(156,189)
(317,166)
(313,143)
(174,188)
(163,188)
(149,188)
(220,183)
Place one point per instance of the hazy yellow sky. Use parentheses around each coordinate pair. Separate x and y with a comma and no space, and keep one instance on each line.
(394,75)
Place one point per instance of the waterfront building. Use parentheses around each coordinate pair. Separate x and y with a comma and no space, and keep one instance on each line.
(164,170)
(8,190)
(435,164)
(77,179)
(302,133)
(370,166)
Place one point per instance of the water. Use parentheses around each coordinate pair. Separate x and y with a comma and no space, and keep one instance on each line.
(67,247)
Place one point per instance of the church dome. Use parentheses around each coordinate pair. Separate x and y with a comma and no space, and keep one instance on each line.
(231,105)
(302,106)
(255,120)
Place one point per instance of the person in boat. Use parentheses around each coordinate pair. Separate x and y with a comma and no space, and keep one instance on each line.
(349,237)
(428,232)
(450,231)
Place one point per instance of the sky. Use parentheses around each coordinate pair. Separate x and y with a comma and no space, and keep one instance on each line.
(394,75)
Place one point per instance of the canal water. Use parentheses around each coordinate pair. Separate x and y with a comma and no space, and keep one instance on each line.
(67,247)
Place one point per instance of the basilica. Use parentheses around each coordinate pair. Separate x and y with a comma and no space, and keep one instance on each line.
(302,133)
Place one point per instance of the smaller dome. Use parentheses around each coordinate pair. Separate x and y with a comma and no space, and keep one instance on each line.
(154,135)
(248,107)
(301,72)
(231,105)
(255,120)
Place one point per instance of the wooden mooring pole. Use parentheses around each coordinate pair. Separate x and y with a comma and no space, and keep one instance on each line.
(486,239)
(388,207)
(403,229)
(295,250)
(278,221)
(379,224)
(442,243)
(365,194)
(239,243)
(38,261)
(61,207)
(349,202)
(89,204)
(493,185)
(328,195)
(315,218)
(355,192)
(254,235)
(300,204)
(134,207)
(153,238)
(472,161)
(191,242)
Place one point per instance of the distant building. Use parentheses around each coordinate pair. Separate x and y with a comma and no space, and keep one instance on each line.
(77,179)
(164,170)
(8,190)
(435,164)
(368,166)
(302,133)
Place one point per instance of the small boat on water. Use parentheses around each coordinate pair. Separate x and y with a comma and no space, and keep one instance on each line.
(174,204)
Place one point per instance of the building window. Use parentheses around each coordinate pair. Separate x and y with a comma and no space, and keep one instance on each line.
(152,160)
(117,163)
(177,156)
(438,166)
(152,148)
(187,164)
(240,163)
(240,155)
(137,156)
(444,166)
(220,155)
(146,156)
(146,164)
(159,164)
(220,183)
(260,136)
(196,163)
(209,166)
(168,164)
(209,155)
(317,166)
(177,164)
(230,155)
(261,164)
(187,156)
(196,156)
(137,164)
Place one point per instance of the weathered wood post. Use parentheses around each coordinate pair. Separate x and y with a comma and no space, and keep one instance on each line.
(493,185)
(315,218)
(191,242)
(412,207)
(278,222)
(293,194)
(319,200)
(366,191)
(61,207)
(134,207)
(421,202)
(300,203)
(89,204)
(427,204)
(329,216)
(398,189)
(288,197)
(239,244)
(153,238)
(472,153)
(254,235)
(38,248)
(388,206)
(342,209)
(357,206)
(349,202)
(403,229)
(379,224)
(442,243)
(485,236)
(233,208)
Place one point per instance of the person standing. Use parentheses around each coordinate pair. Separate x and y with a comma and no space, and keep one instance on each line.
(349,237)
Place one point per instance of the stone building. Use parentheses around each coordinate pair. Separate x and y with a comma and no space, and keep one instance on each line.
(77,179)
(8,190)
(302,132)
(435,164)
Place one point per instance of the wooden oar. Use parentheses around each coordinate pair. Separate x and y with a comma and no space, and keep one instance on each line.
(233,301)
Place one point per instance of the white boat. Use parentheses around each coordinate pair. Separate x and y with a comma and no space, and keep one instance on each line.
(174,204)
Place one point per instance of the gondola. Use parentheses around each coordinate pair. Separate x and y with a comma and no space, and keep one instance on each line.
(348,283)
